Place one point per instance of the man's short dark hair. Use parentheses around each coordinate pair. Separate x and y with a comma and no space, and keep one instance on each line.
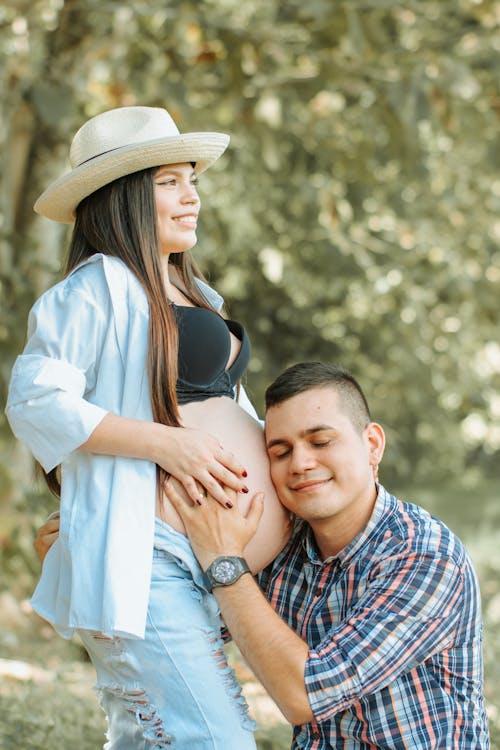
(307,375)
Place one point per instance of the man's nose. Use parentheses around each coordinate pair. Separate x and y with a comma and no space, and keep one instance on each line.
(302,459)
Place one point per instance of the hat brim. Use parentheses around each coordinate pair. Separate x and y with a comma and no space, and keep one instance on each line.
(59,201)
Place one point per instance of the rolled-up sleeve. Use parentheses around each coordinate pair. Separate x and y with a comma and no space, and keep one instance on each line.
(47,406)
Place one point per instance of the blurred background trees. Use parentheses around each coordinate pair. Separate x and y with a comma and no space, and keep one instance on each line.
(354,218)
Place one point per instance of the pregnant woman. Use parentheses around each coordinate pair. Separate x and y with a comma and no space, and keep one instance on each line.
(130,376)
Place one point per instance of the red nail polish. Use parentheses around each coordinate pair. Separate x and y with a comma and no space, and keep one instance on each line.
(244,473)
(245,490)
(229,505)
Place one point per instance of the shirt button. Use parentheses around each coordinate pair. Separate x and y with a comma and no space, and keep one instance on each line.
(318,591)
(315,735)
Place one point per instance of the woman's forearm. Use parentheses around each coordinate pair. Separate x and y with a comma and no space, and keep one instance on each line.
(129,438)
(194,457)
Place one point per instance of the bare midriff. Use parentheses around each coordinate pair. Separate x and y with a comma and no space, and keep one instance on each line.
(239,433)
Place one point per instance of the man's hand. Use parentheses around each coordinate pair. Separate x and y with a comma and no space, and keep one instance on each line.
(46,536)
(213,530)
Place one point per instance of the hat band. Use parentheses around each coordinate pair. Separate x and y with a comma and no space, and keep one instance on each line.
(91,158)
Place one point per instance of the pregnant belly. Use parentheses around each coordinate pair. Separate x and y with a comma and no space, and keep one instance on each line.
(238,432)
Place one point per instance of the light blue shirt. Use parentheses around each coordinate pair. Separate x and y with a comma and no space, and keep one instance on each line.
(85,357)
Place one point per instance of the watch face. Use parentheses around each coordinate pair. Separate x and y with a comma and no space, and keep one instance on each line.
(224,571)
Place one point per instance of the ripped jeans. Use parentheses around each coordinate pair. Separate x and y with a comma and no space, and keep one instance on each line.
(174,689)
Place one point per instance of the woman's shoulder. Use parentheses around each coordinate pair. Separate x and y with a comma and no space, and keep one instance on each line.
(102,278)
(96,280)
(101,270)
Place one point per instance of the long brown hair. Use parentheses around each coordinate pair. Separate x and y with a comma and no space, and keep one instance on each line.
(119,219)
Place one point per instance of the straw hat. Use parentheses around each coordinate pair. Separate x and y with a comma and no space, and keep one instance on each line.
(119,142)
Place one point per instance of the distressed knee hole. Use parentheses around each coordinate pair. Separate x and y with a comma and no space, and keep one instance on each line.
(233,688)
(146,714)
(218,651)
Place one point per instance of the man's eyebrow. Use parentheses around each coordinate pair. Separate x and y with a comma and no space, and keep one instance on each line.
(303,433)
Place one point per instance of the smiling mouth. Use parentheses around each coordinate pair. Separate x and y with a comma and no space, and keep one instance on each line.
(189,219)
(310,485)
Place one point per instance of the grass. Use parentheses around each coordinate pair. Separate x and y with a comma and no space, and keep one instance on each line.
(38,716)
(46,696)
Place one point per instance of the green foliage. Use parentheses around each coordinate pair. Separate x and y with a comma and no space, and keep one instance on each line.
(354,218)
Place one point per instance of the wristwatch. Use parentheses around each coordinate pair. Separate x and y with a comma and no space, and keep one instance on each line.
(224,571)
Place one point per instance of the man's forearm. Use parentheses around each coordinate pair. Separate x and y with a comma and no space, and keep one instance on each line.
(275,653)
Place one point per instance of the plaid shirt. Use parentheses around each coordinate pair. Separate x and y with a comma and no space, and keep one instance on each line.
(393,623)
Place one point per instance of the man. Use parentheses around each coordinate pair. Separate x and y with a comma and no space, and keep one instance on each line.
(373,636)
(369,633)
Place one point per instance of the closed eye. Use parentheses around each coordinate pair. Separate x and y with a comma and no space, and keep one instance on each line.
(282,454)
(172,182)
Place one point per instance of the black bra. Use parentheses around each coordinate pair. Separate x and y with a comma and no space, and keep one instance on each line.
(204,349)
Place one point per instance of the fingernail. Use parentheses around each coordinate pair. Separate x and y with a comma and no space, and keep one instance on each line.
(229,505)
(245,490)
(198,501)
(244,473)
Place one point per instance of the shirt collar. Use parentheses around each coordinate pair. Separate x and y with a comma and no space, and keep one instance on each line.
(381,510)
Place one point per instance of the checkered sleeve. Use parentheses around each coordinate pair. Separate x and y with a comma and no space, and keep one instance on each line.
(409,611)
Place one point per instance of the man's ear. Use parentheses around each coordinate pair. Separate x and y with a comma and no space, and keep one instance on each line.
(375,436)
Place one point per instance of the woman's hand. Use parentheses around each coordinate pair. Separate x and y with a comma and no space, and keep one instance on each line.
(189,455)
(197,460)
(46,536)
